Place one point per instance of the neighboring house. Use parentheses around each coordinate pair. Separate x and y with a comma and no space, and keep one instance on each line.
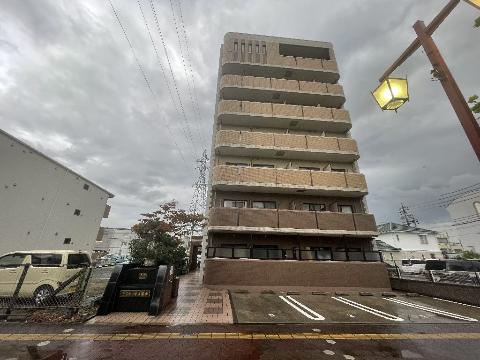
(465,214)
(407,242)
(43,204)
(115,241)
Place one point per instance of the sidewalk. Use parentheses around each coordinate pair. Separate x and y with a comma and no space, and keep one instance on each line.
(195,304)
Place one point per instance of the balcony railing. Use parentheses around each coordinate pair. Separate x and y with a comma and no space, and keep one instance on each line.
(276,65)
(292,254)
(268,114)
(290,222)
(297,146)
(237,87)
(254,179)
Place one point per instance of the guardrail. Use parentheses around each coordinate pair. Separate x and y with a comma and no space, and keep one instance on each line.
(292,254)
(29,293)
(438,276)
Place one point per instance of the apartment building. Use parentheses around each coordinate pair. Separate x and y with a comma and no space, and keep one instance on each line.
(284,181)
(45,205)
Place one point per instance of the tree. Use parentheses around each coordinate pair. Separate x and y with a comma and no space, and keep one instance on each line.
(475,104)
(160,234)
(477,22)
(470,255)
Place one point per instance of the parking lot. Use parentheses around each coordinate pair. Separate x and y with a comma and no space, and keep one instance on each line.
(258,308)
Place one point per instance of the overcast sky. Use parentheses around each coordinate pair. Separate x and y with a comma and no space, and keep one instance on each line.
(70,87)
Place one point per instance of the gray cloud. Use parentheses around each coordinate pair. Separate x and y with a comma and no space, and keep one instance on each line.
(70,86)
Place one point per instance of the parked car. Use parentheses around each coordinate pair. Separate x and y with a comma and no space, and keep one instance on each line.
(454,270)
(413,266)
(47,271)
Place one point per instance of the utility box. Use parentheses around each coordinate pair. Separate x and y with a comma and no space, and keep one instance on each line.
(134,288)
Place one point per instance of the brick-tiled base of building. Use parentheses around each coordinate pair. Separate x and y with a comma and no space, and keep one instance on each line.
(195,304)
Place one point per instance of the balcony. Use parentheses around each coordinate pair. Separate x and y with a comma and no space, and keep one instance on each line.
(288,181)
(293,222)
(283,91)
(278,66)
(289,146)
(312,118)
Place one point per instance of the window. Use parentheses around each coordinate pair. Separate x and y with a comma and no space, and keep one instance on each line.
(13,260)
(78,260)
(236,164)
(423,239)
(263,165)
(348,209)
(76,212)
(86,186)
(476,206)
(264,49)
(235,203)
(67,241)
(243,47)
(46,259)
(264,204)
(235,46)
(314,207)
(249,48)
(257,48)
(309,168)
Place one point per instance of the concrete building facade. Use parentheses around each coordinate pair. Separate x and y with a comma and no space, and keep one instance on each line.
(115,241)
(284,181)
(465,215)
(43,204)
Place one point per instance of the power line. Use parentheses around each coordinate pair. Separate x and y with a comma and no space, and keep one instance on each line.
(147,82)
(459,190)
(152,6)
(189,60)
(163,71)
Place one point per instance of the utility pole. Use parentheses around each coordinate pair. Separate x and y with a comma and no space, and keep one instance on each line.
(407,216)
(198,204)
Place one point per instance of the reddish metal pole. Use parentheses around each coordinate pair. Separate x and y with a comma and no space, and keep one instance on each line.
(464,114)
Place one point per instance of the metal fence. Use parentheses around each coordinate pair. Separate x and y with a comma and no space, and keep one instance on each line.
(438,276)
(33,288)
(292,254)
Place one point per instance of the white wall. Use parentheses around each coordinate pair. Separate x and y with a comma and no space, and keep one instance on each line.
(410,241)
(462,210)
(38,198)
(116,241)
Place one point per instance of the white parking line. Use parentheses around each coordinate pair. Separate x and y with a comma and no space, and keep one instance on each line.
(302,308)
(431,310)
(459,303)
(367,309)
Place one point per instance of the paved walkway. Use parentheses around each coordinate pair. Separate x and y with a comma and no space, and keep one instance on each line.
(195,304)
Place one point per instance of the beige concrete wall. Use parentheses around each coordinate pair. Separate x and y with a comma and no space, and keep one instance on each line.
(331,274)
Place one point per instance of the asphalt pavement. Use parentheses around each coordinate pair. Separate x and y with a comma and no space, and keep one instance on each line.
(324,341)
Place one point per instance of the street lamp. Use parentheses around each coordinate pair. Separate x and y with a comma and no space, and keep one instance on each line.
(391,93)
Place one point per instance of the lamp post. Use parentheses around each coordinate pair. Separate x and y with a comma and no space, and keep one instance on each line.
(441,71)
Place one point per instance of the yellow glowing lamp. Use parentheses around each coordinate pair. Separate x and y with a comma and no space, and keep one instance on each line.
(475,3)
(391,93)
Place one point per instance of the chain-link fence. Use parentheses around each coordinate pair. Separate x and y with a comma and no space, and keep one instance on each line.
(30,287)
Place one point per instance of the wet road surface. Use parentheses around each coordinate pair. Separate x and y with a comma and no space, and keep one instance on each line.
(324,341)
